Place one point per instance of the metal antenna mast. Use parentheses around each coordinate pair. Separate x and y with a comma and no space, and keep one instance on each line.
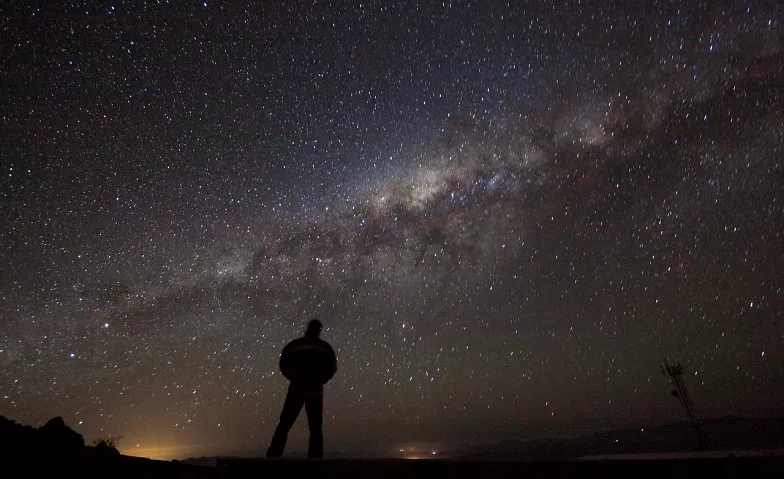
(675,373)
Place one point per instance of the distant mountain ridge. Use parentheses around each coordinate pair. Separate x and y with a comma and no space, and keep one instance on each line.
(730,432)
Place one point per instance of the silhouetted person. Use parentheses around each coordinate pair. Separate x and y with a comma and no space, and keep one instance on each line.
(308,363)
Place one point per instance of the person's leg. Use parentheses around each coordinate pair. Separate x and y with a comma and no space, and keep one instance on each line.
(291,409)
(314,407)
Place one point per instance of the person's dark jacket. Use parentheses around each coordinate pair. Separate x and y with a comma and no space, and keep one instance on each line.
(309,363)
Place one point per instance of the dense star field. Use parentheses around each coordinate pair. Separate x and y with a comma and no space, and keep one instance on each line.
(506,215)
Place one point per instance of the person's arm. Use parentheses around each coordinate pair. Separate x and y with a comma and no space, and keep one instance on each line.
(285,362)
(333,365)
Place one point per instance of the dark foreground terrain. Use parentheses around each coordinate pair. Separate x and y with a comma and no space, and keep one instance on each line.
(396,468)
(131,467)
(55,450)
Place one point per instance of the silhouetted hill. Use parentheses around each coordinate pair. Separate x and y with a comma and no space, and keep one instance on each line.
(52,439)
(55,450)
(722,434)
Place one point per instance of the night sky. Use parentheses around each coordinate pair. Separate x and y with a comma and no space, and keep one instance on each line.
(506,215)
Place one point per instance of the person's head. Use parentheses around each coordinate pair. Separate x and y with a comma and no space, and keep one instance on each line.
(314,328)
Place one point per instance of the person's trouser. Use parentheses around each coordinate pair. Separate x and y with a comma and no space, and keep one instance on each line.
(314,405)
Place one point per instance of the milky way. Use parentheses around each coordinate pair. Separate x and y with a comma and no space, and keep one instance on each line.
(507,216)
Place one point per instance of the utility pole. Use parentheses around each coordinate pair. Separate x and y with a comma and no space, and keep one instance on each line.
(675,373)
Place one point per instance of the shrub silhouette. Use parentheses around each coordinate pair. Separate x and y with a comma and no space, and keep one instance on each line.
(107,445)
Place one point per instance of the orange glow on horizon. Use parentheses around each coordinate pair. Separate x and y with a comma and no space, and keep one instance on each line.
(165,452)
